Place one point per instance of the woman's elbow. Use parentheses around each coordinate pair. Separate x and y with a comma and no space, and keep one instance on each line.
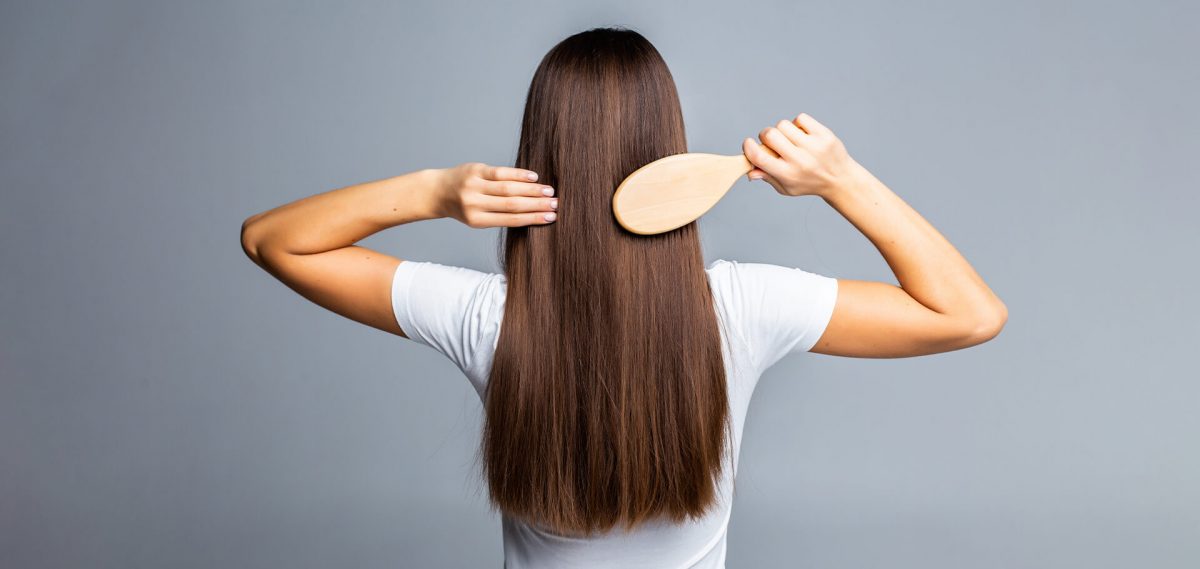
(988,323)
(250,239)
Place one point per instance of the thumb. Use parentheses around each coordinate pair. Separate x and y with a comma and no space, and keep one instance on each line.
(774,183)
(758,174)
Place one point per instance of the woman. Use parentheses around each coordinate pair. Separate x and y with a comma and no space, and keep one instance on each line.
(616,369)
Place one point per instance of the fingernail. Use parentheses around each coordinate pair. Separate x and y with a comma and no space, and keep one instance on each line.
(531,175)
(551,216)
(755,177)
(553,204)
(547,191)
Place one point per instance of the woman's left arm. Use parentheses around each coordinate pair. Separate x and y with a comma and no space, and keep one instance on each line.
(309,244)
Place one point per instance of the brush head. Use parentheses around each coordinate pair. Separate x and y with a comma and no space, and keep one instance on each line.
(675,190)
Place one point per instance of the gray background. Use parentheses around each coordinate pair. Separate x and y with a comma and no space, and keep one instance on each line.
(166,403)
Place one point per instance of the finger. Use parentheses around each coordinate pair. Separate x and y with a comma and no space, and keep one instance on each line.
(774,183)
(494,219)
(517,204)
(779,143)
(502,173)
(793,133)
(509,188)
(757,174)
(810,125)
(761,157)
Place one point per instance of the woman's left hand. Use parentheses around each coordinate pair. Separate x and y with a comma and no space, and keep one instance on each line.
(482,196)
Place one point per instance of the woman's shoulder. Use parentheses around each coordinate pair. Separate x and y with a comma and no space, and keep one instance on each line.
(756,270)
(716,263)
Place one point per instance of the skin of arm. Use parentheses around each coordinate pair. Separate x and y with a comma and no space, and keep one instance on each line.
(309,244)
(942,304)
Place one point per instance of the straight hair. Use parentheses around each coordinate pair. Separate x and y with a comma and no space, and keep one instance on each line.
(606,403)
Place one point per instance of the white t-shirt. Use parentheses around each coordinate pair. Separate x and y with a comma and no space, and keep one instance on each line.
(770,310)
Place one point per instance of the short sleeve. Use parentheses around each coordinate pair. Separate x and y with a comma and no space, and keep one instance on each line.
(450,309)
(783,310)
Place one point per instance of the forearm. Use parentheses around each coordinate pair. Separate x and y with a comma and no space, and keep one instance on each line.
(927,266)
(342,217)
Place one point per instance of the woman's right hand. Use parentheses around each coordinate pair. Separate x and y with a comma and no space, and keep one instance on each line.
(809,159)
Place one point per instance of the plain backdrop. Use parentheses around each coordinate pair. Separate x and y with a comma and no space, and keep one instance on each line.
(166,403)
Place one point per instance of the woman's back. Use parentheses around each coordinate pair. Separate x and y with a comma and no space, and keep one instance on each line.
(769,312)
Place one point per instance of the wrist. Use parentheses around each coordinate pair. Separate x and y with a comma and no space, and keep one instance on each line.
(855,181)
(430,191)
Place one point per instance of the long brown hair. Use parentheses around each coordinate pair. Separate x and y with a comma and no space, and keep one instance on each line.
(606,402)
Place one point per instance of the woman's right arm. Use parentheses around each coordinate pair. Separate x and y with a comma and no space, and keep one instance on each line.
(941,304)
